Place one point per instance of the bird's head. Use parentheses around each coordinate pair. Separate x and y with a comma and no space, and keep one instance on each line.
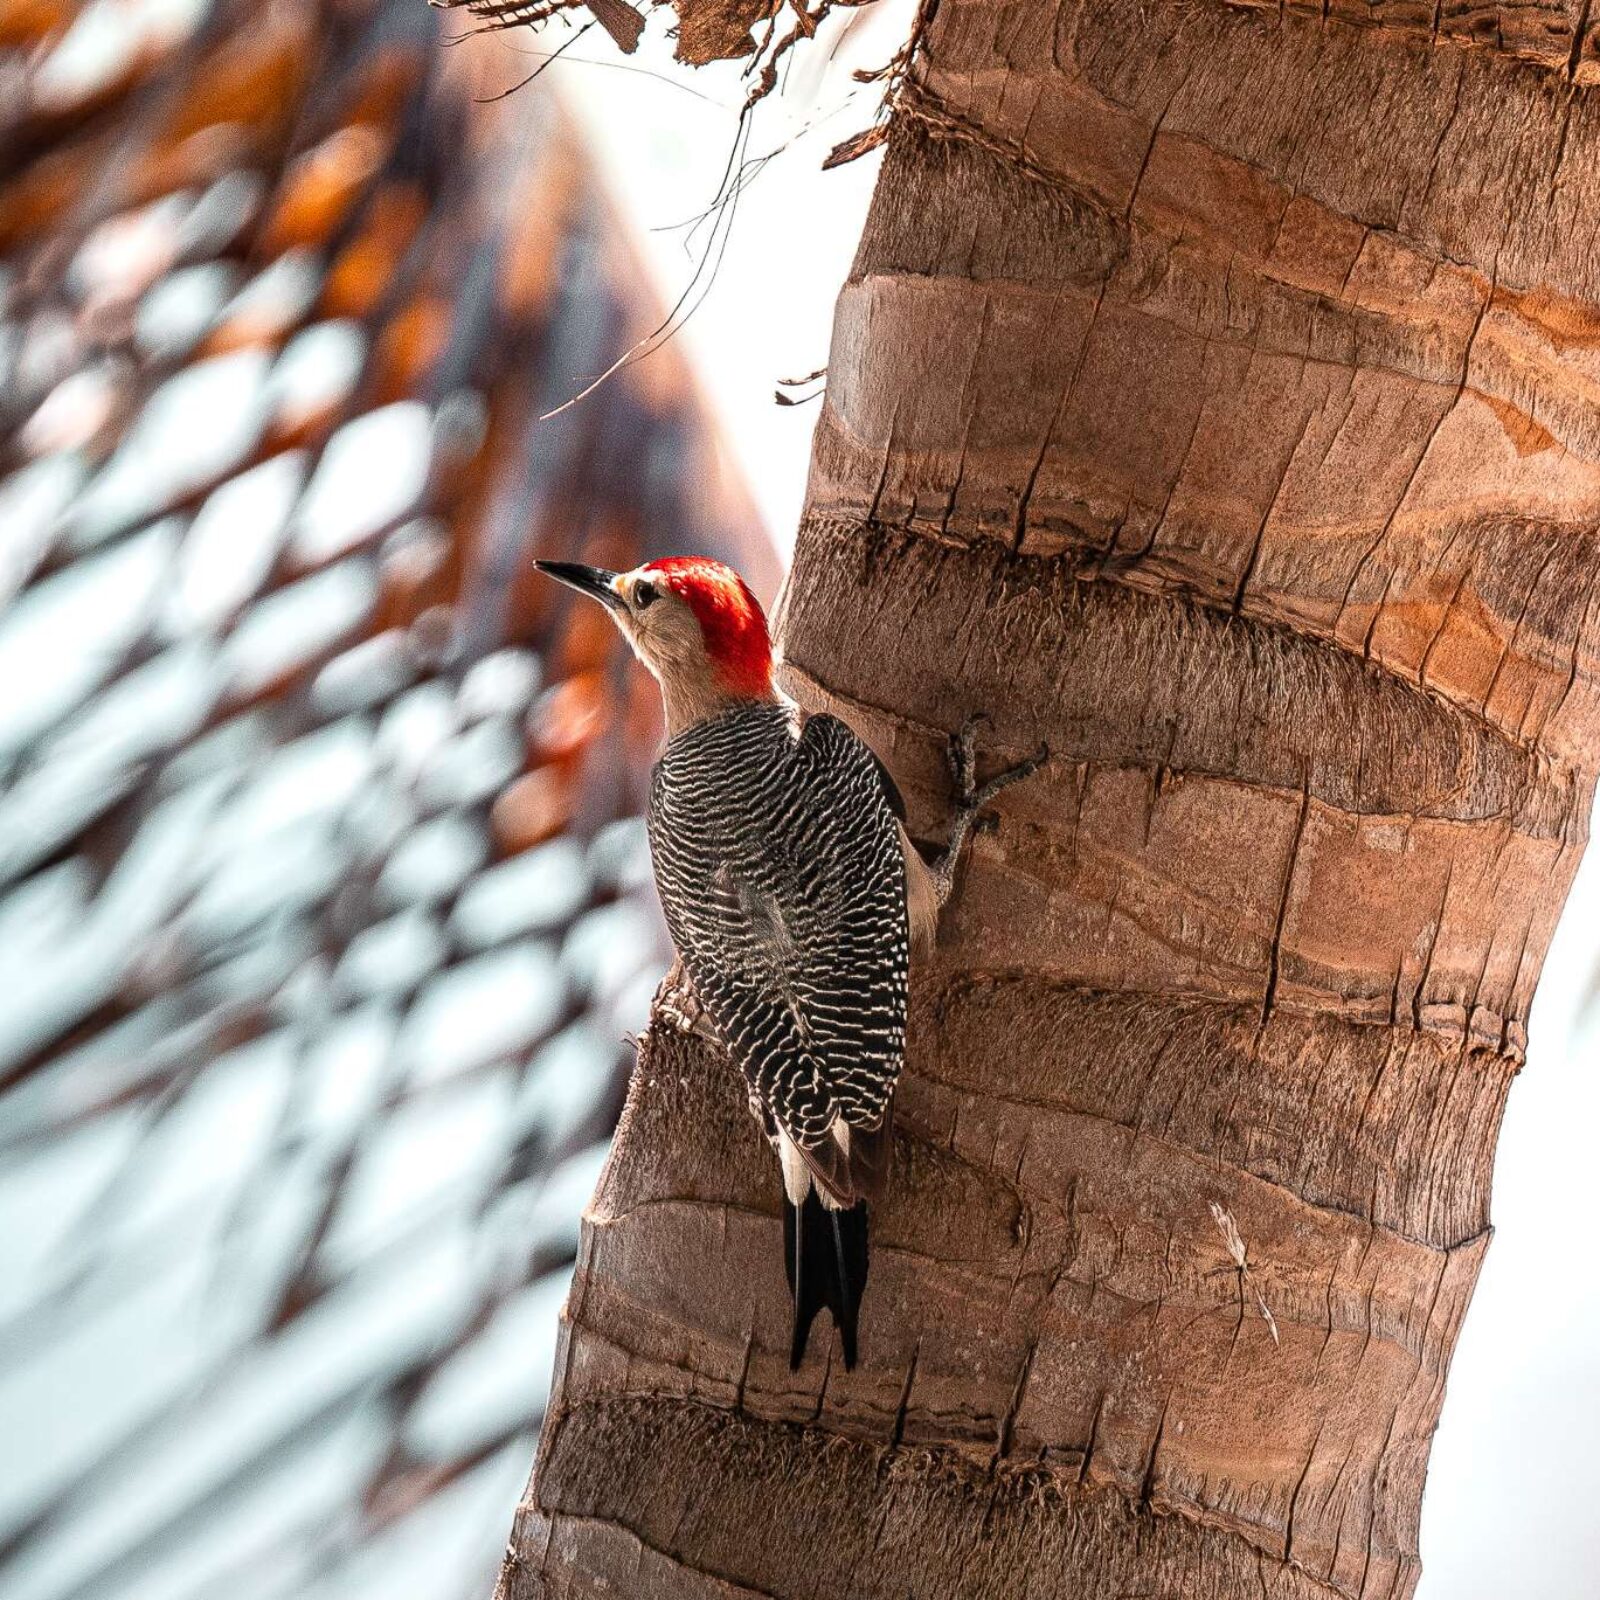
(692,621)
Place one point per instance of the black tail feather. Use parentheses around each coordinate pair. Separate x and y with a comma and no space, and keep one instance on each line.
(850,1264)
(825,1256)
(805,1277)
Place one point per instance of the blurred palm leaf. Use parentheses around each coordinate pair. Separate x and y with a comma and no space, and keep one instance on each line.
(322,897)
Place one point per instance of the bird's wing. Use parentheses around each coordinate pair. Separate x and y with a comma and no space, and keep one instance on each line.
(781,873)
(891,790)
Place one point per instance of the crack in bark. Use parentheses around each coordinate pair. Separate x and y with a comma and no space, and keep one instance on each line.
(1270,993)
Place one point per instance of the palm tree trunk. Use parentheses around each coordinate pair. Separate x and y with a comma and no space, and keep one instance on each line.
(1215,397)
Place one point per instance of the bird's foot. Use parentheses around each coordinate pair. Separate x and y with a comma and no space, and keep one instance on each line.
(964,766)
(677,1001)
(972,796)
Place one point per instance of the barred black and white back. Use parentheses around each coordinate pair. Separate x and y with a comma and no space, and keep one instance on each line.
(779,863)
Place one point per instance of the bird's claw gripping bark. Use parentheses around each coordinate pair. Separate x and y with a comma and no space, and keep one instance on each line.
(677,1001)
(964,757)
(972,796)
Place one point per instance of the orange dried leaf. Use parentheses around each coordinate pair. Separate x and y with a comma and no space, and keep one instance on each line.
(320,187)
(25,22)
(568,718)
(410,345)
(534,808)
(255,79)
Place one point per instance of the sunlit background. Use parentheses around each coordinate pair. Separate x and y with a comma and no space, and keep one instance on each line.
(324,908)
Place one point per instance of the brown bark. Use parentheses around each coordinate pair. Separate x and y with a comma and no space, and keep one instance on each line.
(1214,396)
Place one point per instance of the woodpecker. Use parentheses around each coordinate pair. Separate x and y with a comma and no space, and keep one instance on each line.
(795,899)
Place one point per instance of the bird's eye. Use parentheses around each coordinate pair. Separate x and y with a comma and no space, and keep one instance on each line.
(643,594)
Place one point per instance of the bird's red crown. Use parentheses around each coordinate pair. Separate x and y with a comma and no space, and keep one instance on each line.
(730,617)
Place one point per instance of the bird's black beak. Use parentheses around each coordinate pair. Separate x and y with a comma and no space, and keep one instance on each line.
(592,581)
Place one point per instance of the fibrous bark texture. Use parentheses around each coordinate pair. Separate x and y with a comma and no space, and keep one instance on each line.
(1214,397)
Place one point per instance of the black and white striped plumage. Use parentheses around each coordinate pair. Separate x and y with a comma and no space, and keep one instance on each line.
(779,863)
(792,892)
(783,871)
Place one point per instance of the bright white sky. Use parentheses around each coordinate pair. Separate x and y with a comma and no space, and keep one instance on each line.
(663,134)
(1510,1508)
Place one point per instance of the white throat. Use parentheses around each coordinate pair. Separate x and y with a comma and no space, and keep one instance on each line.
(691,697)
